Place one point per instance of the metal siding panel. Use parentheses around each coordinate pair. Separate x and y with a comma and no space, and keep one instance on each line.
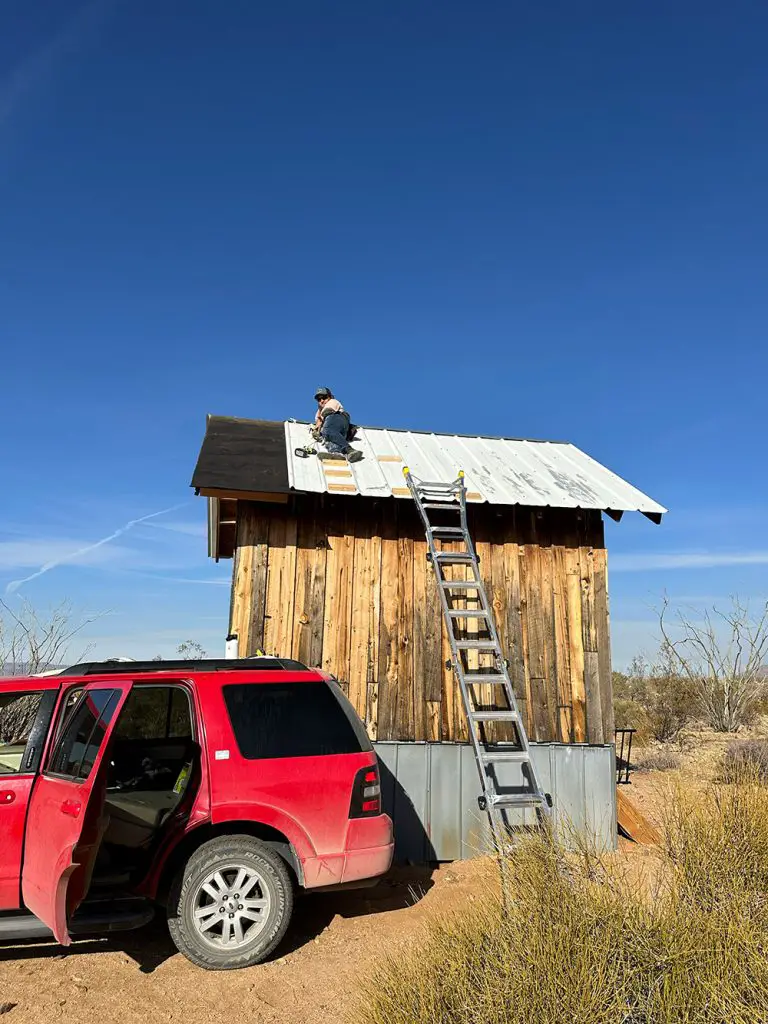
(475,831)
(542,755)
(568,791)
(502,471)
(387,755)
(445,811)
(600,796)
(431,791)
(411,840)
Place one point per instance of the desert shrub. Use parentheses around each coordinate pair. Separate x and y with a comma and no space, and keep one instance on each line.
(745,756)
(721,654)
(658,761)
(580,941)
(653,699)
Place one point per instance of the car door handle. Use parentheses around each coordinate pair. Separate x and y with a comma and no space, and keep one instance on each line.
(7,796)
(71,807)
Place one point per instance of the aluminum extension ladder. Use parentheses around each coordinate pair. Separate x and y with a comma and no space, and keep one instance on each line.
(489,753)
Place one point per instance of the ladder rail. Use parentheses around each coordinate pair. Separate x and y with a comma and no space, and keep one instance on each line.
(453,496)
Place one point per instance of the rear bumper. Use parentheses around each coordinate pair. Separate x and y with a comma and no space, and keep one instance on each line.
(370,848)
(368,853)
(367,863)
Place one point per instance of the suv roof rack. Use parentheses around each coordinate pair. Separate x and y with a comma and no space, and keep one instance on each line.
(260,664)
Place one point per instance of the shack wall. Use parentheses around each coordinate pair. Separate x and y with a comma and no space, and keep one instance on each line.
(344,583)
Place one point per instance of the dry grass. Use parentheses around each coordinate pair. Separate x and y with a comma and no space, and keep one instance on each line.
(745,755)
(587,942)
(658,761)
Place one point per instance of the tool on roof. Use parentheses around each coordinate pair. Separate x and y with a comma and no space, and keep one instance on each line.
(486,712)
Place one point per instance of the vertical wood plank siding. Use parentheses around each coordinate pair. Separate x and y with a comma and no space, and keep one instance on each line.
(345,584)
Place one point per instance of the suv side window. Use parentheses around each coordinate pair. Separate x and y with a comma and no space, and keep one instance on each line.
(289,720)
(18,713)
(83,734)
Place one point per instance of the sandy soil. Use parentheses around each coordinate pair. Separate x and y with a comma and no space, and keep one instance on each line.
(334,942)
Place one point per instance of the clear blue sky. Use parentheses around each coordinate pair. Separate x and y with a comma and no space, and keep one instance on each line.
(532,219)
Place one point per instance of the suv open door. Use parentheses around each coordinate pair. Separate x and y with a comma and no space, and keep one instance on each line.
(64,821)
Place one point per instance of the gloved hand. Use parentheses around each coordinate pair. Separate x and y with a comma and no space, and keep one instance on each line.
(315,432)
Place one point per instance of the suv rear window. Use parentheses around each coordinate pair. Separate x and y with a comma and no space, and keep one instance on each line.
(291,720)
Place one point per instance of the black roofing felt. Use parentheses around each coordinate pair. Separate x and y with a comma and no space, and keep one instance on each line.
(243,455)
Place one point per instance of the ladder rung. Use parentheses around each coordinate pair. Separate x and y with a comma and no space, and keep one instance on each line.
(452,506)
(474,678)
(516,800)
(489,757)
(446,529)
(461,584)
(454,556)
(494,716)
(476,645)
(468,613)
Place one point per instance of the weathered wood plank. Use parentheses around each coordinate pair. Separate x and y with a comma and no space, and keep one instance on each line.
(338,599)
(533,639)
(366,576)
(277,556)
(241,596)
(389,647)
(514,647)
(576,644)
(405,677)
(562,648)
(260,572)
(316,623)
(420,613)
(305,558)
(283,613)
(589,632)
(548,624)
(602,625)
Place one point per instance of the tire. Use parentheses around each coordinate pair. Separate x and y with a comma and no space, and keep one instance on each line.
(223,934)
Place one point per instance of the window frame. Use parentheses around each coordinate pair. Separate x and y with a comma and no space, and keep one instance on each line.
(170,684)
(66,721)
(32,756)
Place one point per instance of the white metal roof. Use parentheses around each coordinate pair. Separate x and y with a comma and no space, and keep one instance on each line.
(497,470)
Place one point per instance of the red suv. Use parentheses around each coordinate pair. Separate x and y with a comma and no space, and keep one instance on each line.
(213,789)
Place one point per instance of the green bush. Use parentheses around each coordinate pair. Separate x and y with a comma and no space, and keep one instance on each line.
(584,942)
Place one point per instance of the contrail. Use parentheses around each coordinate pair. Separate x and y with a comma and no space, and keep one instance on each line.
(14,585)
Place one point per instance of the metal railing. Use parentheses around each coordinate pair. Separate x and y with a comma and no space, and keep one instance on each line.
(623,740)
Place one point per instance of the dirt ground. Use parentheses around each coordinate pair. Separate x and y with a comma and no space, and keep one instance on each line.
(334,942)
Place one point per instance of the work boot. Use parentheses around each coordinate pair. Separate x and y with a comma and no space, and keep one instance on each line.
(353,455)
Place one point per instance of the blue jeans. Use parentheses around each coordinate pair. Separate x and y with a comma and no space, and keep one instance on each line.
(334,432)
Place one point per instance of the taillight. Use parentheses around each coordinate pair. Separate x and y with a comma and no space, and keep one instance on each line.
(366,794)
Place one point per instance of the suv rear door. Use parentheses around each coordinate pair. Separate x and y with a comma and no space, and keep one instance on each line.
(64,825)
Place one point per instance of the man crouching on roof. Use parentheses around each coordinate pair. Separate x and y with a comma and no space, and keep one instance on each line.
(331,426)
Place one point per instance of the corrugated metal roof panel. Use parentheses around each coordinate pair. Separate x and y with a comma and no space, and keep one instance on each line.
(498,470)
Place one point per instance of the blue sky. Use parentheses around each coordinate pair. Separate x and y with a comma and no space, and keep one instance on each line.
(531,219)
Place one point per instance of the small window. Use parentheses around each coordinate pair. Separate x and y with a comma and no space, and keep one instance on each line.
(18,712)
(289,720)
(83,734)
(155,713)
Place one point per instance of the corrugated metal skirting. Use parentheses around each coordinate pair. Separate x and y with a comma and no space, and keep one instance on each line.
(431,790)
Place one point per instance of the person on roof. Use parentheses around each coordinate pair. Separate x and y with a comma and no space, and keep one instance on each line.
(332,426)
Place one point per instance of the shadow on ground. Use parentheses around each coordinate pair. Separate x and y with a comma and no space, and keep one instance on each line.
(151,946)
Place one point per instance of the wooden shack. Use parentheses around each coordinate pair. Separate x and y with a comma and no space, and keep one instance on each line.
(330,568)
